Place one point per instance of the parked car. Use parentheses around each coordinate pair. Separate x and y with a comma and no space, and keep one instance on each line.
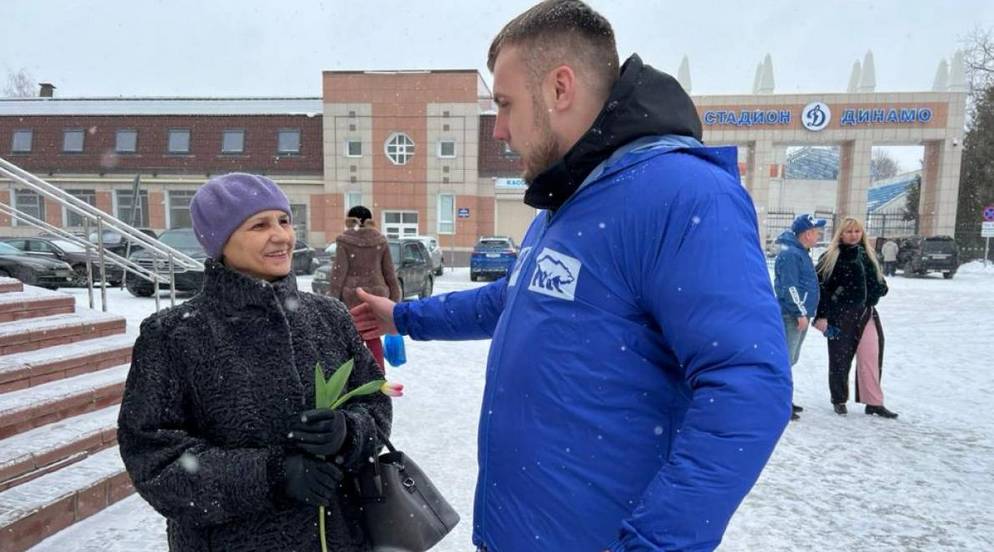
(181,239)
(411,263)
(34,271)
(437,257)
(303,258)
(69,252)
(492,256)
(324,256)
(919,255)
(114,242)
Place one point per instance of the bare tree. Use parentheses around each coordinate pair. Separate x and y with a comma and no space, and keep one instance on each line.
(883,166)
(979,59)
(19,84)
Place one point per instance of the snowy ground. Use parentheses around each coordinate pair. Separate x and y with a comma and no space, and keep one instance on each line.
(920,483)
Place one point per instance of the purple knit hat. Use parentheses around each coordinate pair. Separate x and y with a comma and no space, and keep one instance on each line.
(222,204)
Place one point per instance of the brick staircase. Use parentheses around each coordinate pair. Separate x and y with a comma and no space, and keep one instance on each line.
(62,372)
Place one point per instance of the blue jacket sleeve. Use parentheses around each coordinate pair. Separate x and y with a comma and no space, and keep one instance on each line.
(463,315)
(787,280)
(704,281)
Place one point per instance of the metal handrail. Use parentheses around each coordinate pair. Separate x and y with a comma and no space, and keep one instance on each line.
(160,252)
(86,210)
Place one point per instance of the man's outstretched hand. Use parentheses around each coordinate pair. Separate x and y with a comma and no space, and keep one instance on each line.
(374,316)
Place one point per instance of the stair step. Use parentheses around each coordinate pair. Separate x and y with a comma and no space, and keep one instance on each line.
(31,368)
(39,508)
(37,333)
(33,302)
(10,285)
(34,453)
(130,524)
(34,407)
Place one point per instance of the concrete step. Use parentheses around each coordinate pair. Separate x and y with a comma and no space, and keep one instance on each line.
(23,370)
(33,407)
(37,333)
(39,508)
(8,285)
(131,524)
(34,302)
(42,450)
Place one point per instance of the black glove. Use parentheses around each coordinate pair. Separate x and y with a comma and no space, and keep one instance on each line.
(311,480)
(320,432)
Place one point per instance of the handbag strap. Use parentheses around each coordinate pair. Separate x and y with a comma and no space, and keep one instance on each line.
(385,439)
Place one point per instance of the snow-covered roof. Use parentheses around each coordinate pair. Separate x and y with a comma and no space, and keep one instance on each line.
(161,106)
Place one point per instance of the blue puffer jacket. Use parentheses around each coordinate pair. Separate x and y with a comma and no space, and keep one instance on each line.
(795,280)
(637,380)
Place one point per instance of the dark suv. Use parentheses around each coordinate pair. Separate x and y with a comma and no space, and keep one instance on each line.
(921,255)
(181,239)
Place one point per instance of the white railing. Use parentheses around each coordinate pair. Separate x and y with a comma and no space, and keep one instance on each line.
(162,255)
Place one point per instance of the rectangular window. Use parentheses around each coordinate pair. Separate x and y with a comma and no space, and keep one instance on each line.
(72,140)
(21,142)
(352,199)
(179,209)
(125,203)
(73,219)
(233,141)
(288,141)
(127,141)
(447,149)
(353,148)
(179,140)
(446,214)
(298,213)
(29,203)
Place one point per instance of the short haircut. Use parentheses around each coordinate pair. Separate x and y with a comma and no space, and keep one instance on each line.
(557,32)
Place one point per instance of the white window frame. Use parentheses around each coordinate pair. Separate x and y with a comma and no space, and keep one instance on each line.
(451,215)
(169,207)
(394,146)
(454,151)
(402,226)
(352,199)
(116,205)
(66,212)
(14,204)
(348,152)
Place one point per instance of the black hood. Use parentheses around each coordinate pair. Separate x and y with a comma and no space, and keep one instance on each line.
(644,102)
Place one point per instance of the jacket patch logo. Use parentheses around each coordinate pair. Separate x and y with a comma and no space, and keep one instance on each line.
(555,275)
(522,257)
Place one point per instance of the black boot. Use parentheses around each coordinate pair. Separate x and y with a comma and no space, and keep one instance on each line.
(840,409)
(880,411)
(794,417)
(797,409)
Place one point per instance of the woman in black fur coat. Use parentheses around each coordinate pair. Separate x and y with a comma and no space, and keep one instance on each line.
(217,427)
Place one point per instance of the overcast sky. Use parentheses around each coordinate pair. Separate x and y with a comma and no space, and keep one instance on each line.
(279,48)
(261,47)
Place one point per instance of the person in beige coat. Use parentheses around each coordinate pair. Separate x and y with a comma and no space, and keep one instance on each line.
(362,260)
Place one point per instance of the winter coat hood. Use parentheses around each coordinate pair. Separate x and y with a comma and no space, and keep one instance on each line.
(365,236)
(789,238)
(643,102)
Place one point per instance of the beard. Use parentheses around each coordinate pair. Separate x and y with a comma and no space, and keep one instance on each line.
(544,151)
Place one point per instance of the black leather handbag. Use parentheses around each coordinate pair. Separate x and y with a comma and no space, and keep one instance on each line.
(402,510)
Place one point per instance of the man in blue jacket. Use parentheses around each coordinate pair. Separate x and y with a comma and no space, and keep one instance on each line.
(637,381)
(796,283)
